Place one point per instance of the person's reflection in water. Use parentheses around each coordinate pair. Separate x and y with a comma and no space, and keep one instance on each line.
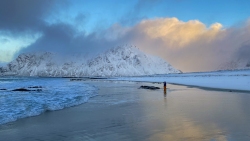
(165,93)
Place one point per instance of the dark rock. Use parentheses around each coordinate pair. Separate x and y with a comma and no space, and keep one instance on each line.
(26,90)
(3,89)
(149,87)
(180,71)
(35,87)
(76,79)
(97,78)
(39,90)
(22,90)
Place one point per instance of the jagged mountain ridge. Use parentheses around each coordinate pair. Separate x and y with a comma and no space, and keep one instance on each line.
(119,61)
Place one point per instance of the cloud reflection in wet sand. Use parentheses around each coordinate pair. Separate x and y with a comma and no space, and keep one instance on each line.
(196,114)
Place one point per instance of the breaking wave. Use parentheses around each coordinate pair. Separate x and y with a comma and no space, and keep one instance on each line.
(53,94)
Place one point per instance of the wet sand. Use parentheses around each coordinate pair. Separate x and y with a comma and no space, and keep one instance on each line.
(121,111)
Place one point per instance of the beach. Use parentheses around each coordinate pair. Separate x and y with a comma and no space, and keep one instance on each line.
(122,111)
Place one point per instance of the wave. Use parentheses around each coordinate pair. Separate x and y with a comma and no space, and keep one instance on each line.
(54,94)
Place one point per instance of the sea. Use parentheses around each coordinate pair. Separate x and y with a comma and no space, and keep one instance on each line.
(41,95)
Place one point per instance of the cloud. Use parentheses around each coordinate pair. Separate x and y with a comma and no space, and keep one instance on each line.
(4,40)
(23,15)
(176,33)
(22,19)
(191,45)
(180,43)
(22,22)
(187,45)
(10,46)
(65,39)
(7,55)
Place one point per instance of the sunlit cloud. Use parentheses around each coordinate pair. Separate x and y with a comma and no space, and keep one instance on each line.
(176,33)
(190,45)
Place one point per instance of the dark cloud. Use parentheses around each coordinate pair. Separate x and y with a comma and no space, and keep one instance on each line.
(55,37)
(22,15)
(65,39)
(27,17)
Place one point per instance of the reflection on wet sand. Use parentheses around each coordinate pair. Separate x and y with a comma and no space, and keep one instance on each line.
(165,92)
(184,129)
(194,114)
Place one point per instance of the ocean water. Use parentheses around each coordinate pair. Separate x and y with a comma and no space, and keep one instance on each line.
(51,94)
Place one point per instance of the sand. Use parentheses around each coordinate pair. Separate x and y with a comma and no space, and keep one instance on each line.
(121,111)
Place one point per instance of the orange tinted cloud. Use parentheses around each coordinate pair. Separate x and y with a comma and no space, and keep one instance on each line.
(188,46)
(176,33)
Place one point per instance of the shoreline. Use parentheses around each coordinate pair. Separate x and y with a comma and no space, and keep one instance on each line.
(233,83)
(212,89)
(237,80)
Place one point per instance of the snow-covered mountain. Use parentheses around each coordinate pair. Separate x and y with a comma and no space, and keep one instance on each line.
(119,61)
(235,65)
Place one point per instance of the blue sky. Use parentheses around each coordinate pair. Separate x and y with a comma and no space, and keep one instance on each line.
(226,12)
(103,14)
(84,25)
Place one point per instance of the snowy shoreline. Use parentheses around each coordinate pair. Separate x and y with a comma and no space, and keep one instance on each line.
(222,80)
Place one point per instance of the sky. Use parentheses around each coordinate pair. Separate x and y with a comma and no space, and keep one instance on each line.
(192,35)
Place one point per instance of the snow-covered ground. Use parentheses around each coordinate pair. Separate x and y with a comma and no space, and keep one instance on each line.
(229,80)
